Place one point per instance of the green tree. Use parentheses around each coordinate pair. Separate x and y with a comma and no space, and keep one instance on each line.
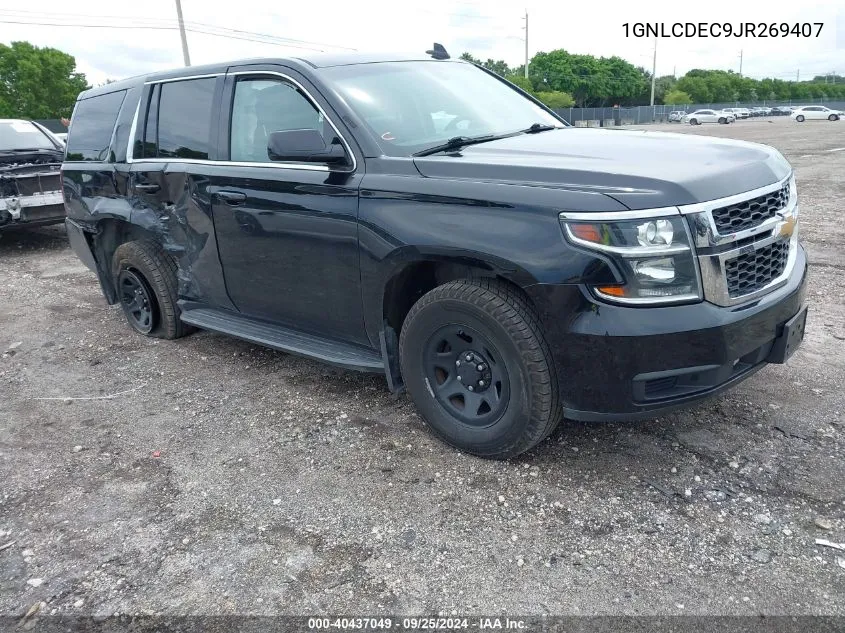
(498,66)
(590,80)
(521,81)
(37,83)
(556,99)
(677,97)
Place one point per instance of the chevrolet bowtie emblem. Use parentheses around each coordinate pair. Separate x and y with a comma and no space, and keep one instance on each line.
(787,227)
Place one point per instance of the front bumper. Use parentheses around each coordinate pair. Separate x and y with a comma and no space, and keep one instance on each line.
(625,363)
(32,210)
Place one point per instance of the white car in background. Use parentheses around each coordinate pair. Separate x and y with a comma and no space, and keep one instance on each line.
(707,116)
(815,112)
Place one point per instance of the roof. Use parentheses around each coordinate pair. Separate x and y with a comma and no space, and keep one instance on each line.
(318,60)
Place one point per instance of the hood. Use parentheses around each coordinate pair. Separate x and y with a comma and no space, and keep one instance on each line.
(640,169)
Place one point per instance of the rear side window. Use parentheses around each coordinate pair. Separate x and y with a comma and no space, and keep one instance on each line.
(92,126)
(184,119)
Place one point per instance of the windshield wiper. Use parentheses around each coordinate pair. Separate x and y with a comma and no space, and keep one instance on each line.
(538,127)
(456,142)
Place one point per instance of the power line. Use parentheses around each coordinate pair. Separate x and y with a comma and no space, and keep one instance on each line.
(165,28)
(152,23)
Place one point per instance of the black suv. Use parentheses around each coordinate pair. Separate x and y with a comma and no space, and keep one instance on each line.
(424,218)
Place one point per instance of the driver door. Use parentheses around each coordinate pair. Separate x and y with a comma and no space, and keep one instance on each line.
(287,232)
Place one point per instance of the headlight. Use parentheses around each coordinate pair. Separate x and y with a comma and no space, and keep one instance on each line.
(651,250)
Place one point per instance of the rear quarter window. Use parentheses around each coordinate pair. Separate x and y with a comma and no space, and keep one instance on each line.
(92,127)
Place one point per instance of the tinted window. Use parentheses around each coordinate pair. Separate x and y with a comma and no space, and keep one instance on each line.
(184,118)
(23,135)
(92,125)
(262,106)
(146,145)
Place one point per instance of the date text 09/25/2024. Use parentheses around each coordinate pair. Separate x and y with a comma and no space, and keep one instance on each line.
(723,29)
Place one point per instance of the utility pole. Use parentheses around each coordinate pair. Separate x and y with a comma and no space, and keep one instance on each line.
(798,75)
(526,43)
(654,71)
(185,54)
(740,62)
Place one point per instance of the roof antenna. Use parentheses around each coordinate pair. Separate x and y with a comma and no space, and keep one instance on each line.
(438,52)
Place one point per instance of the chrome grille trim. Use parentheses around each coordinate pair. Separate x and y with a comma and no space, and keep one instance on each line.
(714,249)
(703,226)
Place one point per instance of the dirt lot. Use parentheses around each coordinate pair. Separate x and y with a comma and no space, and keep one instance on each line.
(210,476)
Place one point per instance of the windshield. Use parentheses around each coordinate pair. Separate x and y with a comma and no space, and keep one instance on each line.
(22,135)
(411,106)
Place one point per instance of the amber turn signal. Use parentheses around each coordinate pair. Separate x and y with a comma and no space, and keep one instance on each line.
(613,291)
(588,232)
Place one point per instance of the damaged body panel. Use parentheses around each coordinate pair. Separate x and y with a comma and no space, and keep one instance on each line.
(30,176)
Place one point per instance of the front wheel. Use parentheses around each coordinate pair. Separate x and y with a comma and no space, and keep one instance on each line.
(800,118)
(723,120)
(693,121)
(478,369)
(833,117)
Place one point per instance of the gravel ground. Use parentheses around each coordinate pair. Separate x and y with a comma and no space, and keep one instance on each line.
(210,476)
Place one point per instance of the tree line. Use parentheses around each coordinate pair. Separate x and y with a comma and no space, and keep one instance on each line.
(561,80)
(43,83)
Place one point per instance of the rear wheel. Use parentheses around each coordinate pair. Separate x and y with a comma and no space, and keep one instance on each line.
(478,369)
(145,279)
(800,118)
(693,121)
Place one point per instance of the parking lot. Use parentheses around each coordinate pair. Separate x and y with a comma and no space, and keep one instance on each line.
(210,476)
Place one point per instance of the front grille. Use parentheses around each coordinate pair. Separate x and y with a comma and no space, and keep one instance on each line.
(38,183)
(750,213)
(750,272)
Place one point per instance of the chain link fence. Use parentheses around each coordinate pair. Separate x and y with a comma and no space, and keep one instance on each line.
(639,115)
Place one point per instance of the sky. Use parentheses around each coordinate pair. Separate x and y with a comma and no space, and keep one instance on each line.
(486,29)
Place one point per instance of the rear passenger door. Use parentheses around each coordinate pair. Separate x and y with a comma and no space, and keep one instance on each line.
(173,161)
(287,232)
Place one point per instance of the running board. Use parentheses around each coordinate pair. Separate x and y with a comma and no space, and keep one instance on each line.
(346,355)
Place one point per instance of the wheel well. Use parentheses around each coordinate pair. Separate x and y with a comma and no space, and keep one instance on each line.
(110,234)
(406,287)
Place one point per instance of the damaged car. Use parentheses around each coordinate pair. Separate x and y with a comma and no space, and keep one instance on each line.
(30,175)
(425,219)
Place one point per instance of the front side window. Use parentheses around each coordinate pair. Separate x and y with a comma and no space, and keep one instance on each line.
(261,106)
(92,126)
(410,106)
(184,118)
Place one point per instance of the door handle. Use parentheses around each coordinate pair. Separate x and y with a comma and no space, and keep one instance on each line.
(150,188)
(231,197)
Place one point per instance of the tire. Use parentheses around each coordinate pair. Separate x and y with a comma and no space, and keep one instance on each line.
(723,121)
(145,278)
(800,118)
(693,121)
(833,117)
(491,323)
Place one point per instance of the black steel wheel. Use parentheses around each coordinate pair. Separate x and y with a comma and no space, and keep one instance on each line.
(477,366)
(137,301)
(144,277)
(467,374)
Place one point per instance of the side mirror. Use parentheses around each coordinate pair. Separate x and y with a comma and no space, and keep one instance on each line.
(304,146)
